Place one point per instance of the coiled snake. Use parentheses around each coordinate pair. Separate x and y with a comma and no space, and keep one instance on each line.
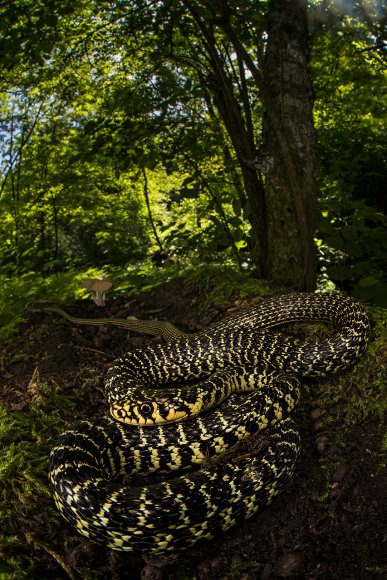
(92,463)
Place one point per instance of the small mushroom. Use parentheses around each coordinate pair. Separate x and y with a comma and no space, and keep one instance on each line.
(97,289)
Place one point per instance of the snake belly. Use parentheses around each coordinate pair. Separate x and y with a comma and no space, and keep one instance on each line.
(94,463)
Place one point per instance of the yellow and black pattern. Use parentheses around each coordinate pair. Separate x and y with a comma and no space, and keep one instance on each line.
(252,342)
(152,327)
(91,463)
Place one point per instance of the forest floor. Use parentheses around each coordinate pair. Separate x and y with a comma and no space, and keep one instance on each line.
(328,524)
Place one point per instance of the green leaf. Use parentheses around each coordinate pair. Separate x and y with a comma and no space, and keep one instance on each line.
(368,281)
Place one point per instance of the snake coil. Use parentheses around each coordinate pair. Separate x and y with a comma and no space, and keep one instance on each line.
(96,470)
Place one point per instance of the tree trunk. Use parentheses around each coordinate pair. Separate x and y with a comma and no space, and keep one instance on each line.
(288,153)
(283,210)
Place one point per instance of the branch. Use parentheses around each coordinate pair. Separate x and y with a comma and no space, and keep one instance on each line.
(25,138)
(242,53)
(146,193)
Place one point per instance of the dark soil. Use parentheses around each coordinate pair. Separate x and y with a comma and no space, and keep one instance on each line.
(328,524)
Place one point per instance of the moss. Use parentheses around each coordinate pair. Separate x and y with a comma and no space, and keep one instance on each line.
(25,442)
(348,400)
(217,282)
(353,396)
(237,569)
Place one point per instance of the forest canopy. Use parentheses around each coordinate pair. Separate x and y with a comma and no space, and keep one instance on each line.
(139,129)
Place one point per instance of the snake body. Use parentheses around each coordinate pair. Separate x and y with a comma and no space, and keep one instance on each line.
(152,327)
(93,461)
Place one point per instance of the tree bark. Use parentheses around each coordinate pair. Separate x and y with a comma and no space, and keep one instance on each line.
(288,153)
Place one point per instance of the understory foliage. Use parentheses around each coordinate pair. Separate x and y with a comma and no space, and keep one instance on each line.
(113,149)
(26,440)
(351,126)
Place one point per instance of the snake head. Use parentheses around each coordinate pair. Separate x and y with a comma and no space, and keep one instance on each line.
(148,412)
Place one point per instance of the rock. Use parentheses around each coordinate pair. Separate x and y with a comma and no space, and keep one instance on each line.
(357,491)
(250,575)
(151,573)
(340,472)
(321,443)
(288,564)
(206,568)
(266,572)
(315,414)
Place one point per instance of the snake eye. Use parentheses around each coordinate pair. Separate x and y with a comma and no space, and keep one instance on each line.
(146,409)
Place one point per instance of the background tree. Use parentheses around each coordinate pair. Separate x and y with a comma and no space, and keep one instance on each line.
(213,103)
(283,207)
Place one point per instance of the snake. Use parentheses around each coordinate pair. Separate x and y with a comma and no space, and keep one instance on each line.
(163,328)
(199,435)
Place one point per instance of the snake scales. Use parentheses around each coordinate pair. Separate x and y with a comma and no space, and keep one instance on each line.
(94,465)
